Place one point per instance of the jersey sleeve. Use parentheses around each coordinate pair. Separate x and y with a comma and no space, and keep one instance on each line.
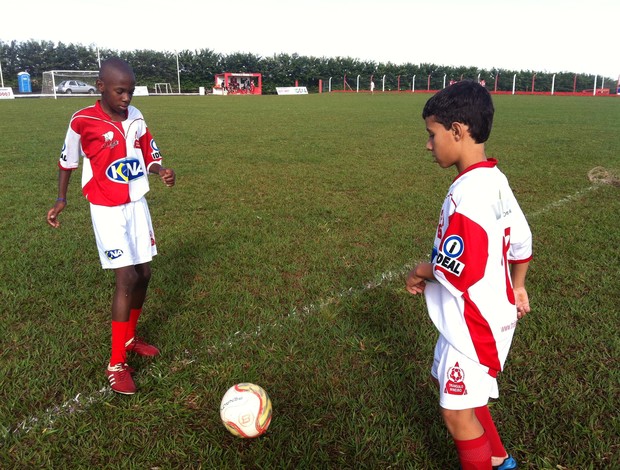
(520,242)
(520,237)
(462,254)
(71,150)
(149,148)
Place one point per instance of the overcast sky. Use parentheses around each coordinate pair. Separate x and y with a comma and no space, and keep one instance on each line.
(541,35)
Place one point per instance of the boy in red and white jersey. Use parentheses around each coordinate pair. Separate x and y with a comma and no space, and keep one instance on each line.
(475,282)
(118,153)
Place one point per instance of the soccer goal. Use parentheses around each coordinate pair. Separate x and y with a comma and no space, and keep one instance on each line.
(163,88)
(69,82)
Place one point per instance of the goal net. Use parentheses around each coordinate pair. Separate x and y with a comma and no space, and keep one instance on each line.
(163,88)
(69,82)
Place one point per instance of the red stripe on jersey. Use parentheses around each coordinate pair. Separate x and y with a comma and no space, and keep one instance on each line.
(510,294)
(475,251)
(481,336)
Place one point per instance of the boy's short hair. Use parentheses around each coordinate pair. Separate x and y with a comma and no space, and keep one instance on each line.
(466,102)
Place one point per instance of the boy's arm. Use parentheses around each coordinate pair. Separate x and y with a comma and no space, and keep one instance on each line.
(518,272)
(417,277)
(167,174)
(61,201)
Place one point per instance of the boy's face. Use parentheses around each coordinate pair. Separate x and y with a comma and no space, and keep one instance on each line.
(442,143)
(116,89)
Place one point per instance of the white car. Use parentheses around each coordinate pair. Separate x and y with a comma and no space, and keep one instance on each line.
(75,86)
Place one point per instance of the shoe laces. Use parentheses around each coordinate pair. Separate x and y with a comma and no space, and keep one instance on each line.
(120,367)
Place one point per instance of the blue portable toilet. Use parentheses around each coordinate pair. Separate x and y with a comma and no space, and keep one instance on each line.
(23,82)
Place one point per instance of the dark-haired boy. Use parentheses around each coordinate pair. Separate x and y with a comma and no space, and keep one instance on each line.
(118,152)
(474,284)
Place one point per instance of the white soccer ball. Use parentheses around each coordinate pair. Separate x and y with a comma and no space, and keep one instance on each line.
(246,410)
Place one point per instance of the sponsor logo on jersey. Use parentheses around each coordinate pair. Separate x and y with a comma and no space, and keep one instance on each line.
(501,207)
(124,170)
(155,150)
(512,326)
(456,381)
(113,254)
(447,257)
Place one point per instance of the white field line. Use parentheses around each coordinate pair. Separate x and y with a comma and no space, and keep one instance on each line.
(81,402)
(49,416)
(321,304)
(561,202)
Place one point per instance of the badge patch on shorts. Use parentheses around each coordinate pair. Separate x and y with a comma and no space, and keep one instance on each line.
(456,381)
(113,254)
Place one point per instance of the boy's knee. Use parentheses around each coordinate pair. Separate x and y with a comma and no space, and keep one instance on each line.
(457,420)
(144,273)
(127,278)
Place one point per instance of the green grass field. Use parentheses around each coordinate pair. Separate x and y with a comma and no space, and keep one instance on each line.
(283,251)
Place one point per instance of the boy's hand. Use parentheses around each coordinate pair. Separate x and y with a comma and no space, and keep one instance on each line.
(415,284)
(417,277)
(52,214)
(522,301)
(168,177)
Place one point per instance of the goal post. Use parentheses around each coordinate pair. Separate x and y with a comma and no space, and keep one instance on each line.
(163,88)
(67,82)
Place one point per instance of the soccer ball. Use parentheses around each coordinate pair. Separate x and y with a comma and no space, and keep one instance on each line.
(246,410)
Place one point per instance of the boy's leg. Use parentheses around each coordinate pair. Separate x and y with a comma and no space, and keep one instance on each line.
(138,297)
(471,442)
(132,341)
(126,279)
(497,447)
(118,373)
(464,385)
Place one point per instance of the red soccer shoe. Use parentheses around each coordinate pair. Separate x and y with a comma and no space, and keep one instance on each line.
(141,348)
(120,379)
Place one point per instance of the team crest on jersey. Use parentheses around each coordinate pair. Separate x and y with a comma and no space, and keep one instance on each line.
(108,140)
(124,170)
(448,256)
(456,381)
(113,254)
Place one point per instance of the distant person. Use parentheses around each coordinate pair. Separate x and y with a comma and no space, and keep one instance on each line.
(118,153)
(372,87)
(474,283)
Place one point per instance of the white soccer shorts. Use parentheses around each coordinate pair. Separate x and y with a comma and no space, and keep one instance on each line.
(124,234)
(463,382)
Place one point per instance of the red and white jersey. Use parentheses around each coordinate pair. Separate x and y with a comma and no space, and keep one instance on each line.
(481,230)
(117,155)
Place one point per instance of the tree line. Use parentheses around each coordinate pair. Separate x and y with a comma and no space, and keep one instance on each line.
(198,68)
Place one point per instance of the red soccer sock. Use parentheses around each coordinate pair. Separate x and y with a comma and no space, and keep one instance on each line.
(134,314)
(474,454)
(484,416)
(119,333)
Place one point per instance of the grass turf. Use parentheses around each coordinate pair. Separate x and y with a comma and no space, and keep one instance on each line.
(283,250)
